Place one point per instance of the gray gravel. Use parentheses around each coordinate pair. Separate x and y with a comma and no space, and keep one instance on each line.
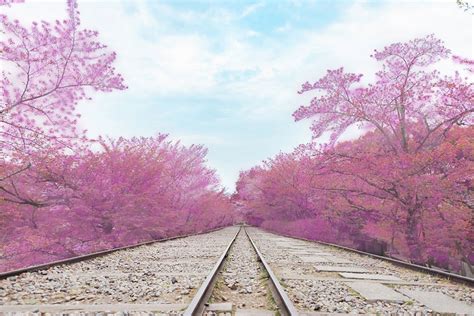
(243,280)
(172,271)
(311,290)
(166,272)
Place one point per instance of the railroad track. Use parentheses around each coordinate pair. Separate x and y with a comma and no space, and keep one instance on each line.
(158,278)
(320,279)
(233,271)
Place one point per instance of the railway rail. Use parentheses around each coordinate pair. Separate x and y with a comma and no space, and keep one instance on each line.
(440,272)
(96,254)
(232,271)
(320,279)
(158,278)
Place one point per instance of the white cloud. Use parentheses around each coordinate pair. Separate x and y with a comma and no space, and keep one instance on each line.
(251,9)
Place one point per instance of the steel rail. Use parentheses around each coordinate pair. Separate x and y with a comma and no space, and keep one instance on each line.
(198,304)
(4,275)
(413,266)
(278,292)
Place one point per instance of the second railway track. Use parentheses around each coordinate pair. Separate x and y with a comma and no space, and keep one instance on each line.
(233,271)
(160,278)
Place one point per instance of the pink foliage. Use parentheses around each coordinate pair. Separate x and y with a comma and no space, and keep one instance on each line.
(357,195)
(48,69)
(404,187)
(60,196)
(130,191)
(469,63)
(405,101)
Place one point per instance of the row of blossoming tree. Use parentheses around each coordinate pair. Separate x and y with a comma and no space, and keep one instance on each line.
(405,186)
(62,194)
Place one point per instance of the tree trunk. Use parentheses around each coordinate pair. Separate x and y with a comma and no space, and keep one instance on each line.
(412,236)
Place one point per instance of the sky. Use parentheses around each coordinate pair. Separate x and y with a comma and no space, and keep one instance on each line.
(225,73)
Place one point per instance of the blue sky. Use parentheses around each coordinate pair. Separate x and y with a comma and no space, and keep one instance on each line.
(225,73)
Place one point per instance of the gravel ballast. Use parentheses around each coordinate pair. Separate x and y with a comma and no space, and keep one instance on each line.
(325,291)
(243,280)
(163,272)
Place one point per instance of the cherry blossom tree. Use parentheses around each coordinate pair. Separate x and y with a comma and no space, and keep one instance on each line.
(407,102)
(410,171)
(411,106)
(62,194)
(355,194)
(131,190)
(47,69)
